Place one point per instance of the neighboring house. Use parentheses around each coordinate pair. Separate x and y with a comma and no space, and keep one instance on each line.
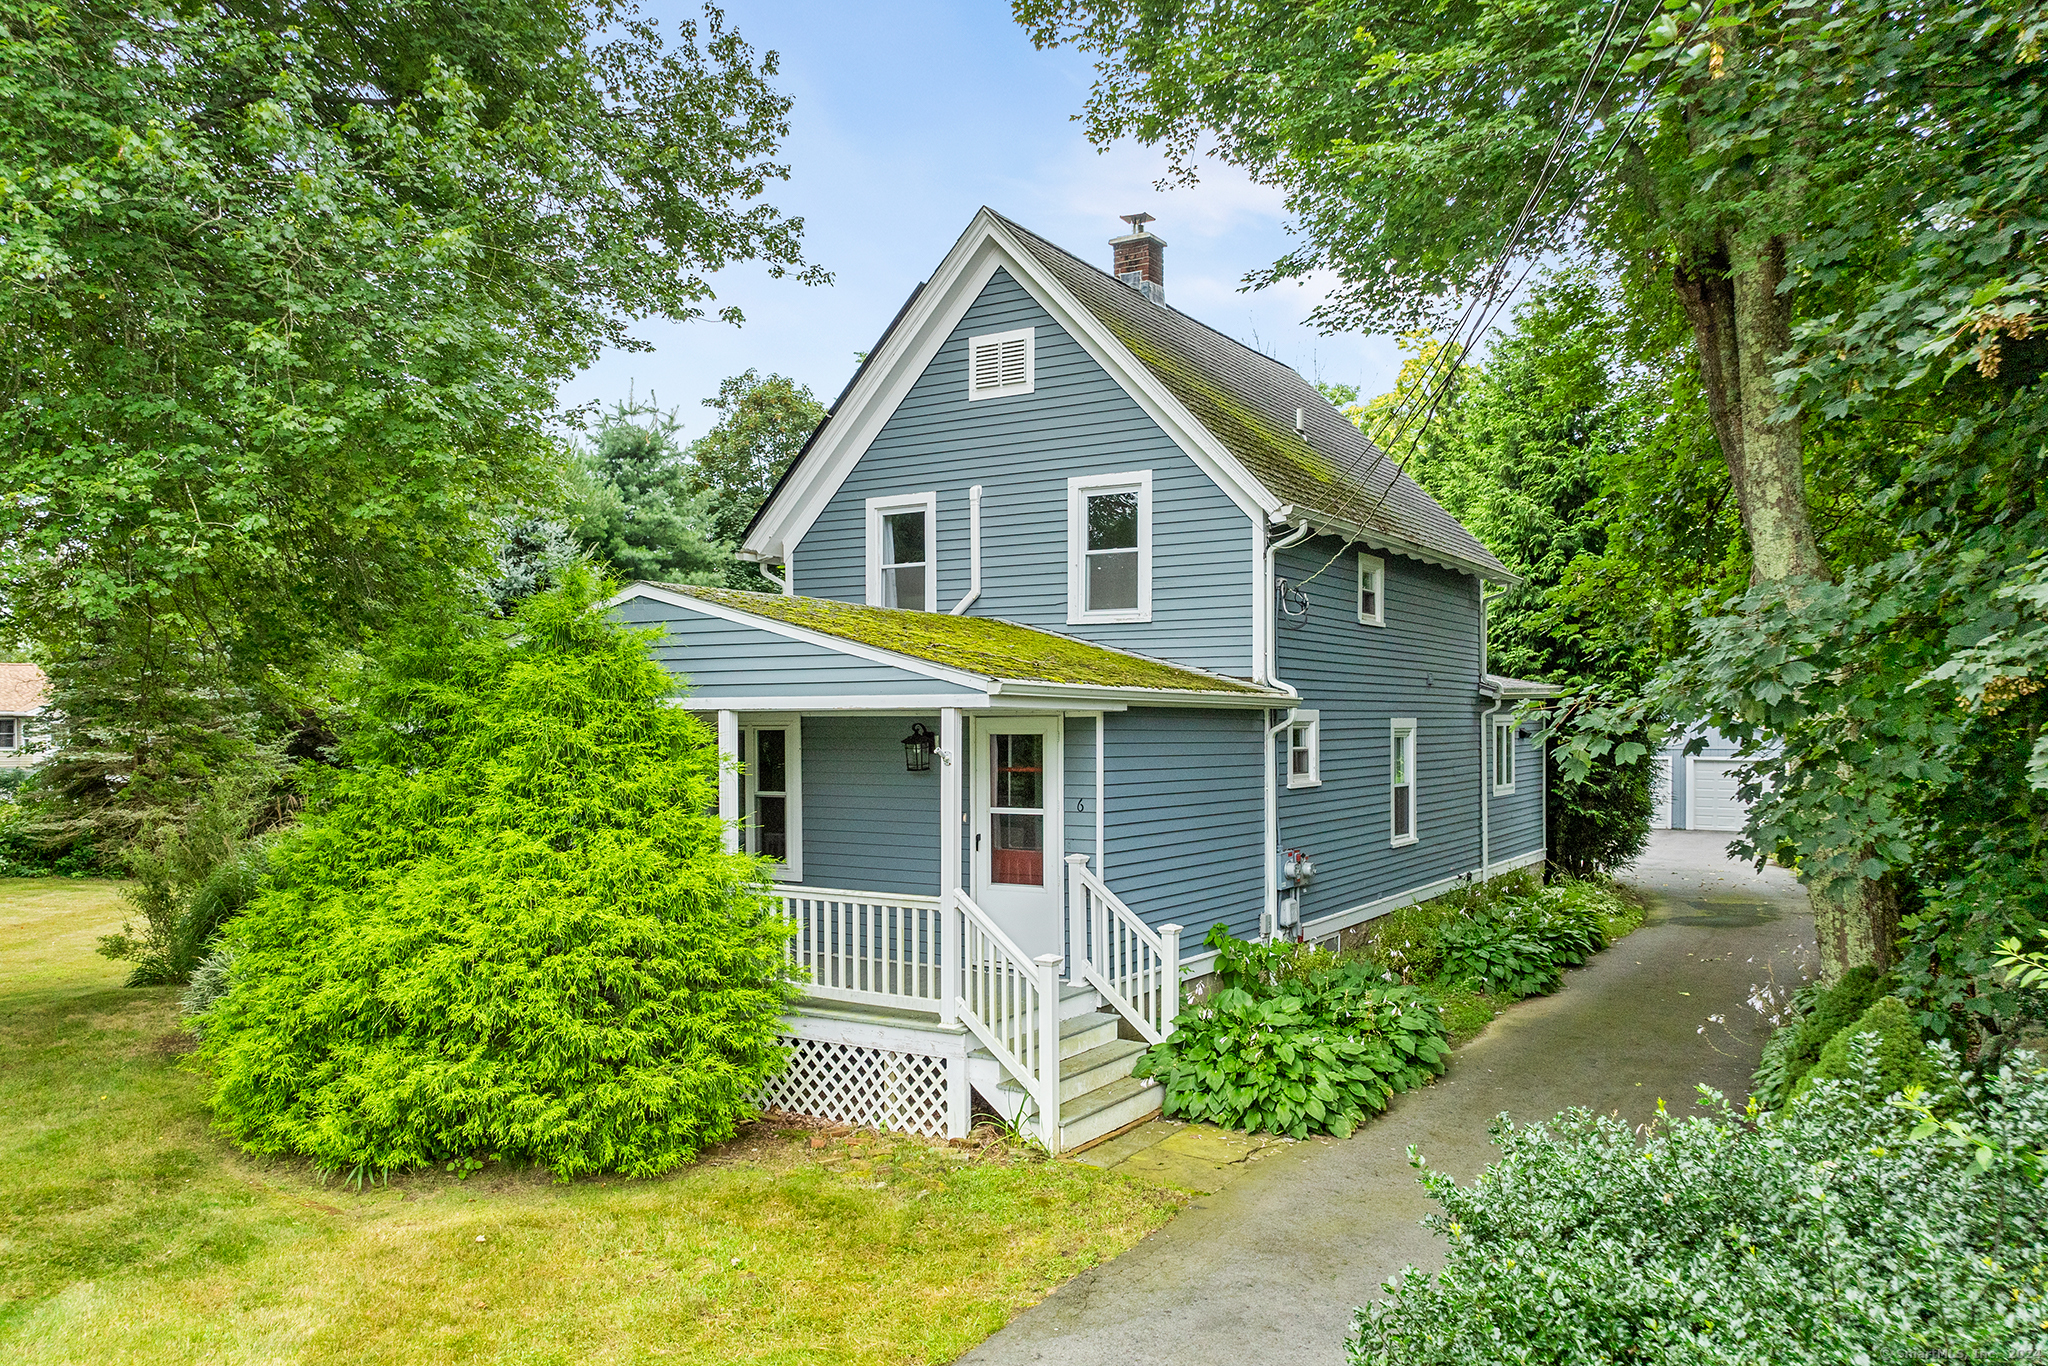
(1701,790)
(1098,628)
(23,694)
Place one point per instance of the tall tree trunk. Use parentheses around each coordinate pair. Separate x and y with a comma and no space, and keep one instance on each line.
(1741,321)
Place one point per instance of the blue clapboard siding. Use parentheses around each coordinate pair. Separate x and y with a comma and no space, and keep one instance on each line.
(719,658)
(1185,820)
(1518,815)
(1078,760)
(869,824)
(1022,450)
(1424,663)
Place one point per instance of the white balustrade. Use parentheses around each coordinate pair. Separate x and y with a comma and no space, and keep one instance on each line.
(1011,1002)
(1136,968)
(875,948)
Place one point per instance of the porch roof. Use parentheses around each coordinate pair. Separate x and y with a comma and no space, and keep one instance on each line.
(985,647)
(1501,686)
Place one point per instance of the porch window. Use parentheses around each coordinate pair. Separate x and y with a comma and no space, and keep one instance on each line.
(1403,782)
(1304,750)
(1372,590)
(1109,548)
(771,794)
(1017,810)
(1503,757)
(902,564)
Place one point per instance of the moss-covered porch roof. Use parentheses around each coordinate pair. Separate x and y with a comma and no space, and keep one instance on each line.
(984,646)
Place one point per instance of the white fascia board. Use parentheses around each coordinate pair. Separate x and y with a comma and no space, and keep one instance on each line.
(1071,694)
(880,704)
(837,644)
(1380,540)
(952,290)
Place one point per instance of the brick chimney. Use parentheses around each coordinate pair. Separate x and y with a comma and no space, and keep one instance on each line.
(1140,258)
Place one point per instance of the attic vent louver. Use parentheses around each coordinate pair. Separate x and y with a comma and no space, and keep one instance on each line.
(1001,364)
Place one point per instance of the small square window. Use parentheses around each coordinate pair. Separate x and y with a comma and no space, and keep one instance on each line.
(1109,548)
(1503,757)
(902,559)
(1401,801)
(1304,750)
(1372,590)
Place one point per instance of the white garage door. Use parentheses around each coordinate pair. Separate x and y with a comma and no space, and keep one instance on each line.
(1714,800)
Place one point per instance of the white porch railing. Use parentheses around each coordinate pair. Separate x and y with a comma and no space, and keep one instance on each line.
(1011,1002)
(871,947)
(1135,968)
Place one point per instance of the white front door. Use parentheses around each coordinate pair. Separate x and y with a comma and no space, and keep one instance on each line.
(1015,776)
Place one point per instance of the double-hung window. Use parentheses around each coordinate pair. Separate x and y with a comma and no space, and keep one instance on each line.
(1402,781)
(903,551)
(1503,757)
(10,732)
(771,793)
(1304,750)
(1109,547)
(1372,590)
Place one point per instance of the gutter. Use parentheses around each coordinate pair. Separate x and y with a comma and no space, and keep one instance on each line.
(1271,862)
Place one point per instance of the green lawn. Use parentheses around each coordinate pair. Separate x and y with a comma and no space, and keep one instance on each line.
(130,1233)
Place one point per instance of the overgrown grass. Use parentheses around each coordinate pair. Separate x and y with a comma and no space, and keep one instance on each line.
(129,1232)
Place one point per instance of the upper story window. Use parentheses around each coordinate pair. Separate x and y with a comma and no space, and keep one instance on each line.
(903,551)
(1503,757)
(1402,777)
(1304,749)
(1001,363)
(1372,590)
(1109,547)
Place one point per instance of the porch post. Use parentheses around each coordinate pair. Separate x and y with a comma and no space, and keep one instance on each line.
(952,782)
(729,778)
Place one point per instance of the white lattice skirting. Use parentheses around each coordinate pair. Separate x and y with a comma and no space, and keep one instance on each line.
(876,1087)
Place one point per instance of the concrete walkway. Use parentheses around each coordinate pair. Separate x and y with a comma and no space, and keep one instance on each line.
(1269,1268)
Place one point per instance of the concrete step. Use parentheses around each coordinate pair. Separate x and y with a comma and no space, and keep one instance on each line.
(1079,1001)
(1106,1109)
(1079,1033)
(1092,1070)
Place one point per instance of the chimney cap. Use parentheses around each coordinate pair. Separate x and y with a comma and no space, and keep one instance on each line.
(1138,220)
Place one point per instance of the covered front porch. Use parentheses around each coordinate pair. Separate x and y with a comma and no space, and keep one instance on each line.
(931,791)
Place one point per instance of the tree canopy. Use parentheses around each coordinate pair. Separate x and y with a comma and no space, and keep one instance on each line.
(762,425)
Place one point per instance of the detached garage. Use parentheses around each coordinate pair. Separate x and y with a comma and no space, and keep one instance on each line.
(1699,791)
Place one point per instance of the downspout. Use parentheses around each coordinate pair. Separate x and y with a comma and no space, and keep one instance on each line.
(781,584)
(1485,736)
(973,553)
(1272,859)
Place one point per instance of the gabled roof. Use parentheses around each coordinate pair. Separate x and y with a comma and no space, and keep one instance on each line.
(1230,407)
(1331,473)
(998,651)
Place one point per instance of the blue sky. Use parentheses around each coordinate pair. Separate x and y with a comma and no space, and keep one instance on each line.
(909,117)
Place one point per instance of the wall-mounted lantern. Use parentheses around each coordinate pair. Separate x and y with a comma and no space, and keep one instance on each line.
(918,747)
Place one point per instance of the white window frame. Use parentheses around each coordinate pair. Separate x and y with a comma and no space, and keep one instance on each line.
(1029,335)
(790,869)
(1312,722)
(1079,489)
(1398,727)
(879,508)
(1503,750)
(1374,568)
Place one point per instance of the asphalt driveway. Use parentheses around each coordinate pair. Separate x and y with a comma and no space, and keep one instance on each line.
(1269,1269)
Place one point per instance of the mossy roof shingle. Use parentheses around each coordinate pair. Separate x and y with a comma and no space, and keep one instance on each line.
(1247,401)
(979,645)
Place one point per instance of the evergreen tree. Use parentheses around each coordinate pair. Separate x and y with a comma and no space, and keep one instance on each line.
(639,513)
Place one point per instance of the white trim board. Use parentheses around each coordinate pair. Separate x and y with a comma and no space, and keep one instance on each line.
(934,316)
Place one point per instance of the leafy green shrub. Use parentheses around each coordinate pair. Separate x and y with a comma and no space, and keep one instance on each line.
(1295,1041)
(1500,956)
(1899,1055)
(1771,1083)
(208,984)
(1834,1009)
(191,878)
(507,924)
(1825,1233)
